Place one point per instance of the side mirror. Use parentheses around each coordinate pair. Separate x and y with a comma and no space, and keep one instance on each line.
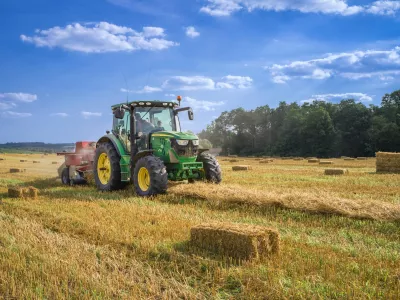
(119,113)
(190,115)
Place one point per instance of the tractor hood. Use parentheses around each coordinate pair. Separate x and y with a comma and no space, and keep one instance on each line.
(176,135)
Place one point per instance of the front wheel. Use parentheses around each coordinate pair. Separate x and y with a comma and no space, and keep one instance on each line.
(150,176)
(212,169)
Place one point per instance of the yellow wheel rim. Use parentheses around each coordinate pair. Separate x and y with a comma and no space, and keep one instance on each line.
(144,179)
(104,168)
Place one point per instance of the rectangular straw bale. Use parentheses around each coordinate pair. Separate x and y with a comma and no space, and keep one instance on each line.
(388,162)
(246,242)
(2,158)
(336,171)
(313,160)
(23,160)
(15,192)
(54,162)
(298,158)
(14,170)
(264,161)
(258,158)
(36,162)
(234,160)
(31,192)
(326,162)
(241,168)
(349,158)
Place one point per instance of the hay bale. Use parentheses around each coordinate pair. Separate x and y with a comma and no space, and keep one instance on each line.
(361,158)
(313,160)
(245,242)
(349,159)
(54,162)
(326,162)
(15,192)
(234,160)
(388,162)
(36,162)
(241,168)
(336,171)
(31,192)
(298,158)
(258,159)
(264,161)
(14,170)
(23,160)
(2,158)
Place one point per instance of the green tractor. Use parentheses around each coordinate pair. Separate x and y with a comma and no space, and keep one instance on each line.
(146,147)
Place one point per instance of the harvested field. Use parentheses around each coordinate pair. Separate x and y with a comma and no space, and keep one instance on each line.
(241,168)
(79,243)
(336,171)
(387,162)
(247,242)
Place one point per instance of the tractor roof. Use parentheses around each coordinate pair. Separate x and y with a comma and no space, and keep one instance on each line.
(148,103)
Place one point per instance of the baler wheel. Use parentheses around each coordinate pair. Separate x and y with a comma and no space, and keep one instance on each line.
(65,176)
(150,176)
(212,169)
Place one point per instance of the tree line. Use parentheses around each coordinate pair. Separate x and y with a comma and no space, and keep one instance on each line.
(319,128)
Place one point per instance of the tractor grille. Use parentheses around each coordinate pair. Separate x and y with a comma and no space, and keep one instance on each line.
(189,150)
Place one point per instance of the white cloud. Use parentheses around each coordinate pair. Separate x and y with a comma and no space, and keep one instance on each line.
(22,97)
(12,114)
(88,114)
(382,75)
(170,95)
(202,105)
(145,90)
(354,65)
(63,115)
(191,32)
(191,83)
(328,97)
(221,8)
(100,37)
(7,105)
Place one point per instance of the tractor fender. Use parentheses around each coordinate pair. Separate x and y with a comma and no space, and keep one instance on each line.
(115,141)
(141,154)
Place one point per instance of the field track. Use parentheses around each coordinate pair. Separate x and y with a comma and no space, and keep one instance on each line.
(340,235)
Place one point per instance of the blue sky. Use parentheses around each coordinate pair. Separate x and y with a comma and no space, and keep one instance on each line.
(64,63)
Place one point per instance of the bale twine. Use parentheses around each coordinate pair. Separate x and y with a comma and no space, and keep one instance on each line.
(245,242)
(234,160)
(326,162)
(23,160)
(387,162)
(313,160)
(349,158)
(361,158)
(336,171)
(241,168)
(13,170)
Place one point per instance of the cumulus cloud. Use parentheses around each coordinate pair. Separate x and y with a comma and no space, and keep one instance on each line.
(13,114)
(63,115)
(329,97)
(21,97)
(202,105)
(191,32)
(145,90)
(221,8)
(191,83)
(353,65)
(100,38)
(7,105)
(88,114)
(170,95)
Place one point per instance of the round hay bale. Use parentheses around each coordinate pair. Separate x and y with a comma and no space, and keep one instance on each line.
(241,168)
(15,192)
(313,160)
(326,162)
(336,171)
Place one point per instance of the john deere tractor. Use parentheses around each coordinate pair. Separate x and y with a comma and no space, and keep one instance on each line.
(147,147)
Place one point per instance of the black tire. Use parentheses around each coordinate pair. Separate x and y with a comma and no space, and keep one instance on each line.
(114,181)
(65,176)
(211,167)
(158,181)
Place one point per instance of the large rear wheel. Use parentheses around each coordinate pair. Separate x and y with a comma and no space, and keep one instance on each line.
(212,169)
(150,176)
(106,169)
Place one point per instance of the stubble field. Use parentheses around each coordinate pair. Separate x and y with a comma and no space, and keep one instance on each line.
(340,235)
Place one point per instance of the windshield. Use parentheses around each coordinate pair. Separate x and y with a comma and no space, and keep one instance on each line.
(161,118)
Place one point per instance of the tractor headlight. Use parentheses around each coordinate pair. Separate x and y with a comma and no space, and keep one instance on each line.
(182,142)
(195,142)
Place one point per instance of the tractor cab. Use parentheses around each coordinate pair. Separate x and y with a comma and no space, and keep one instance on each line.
(147,147)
